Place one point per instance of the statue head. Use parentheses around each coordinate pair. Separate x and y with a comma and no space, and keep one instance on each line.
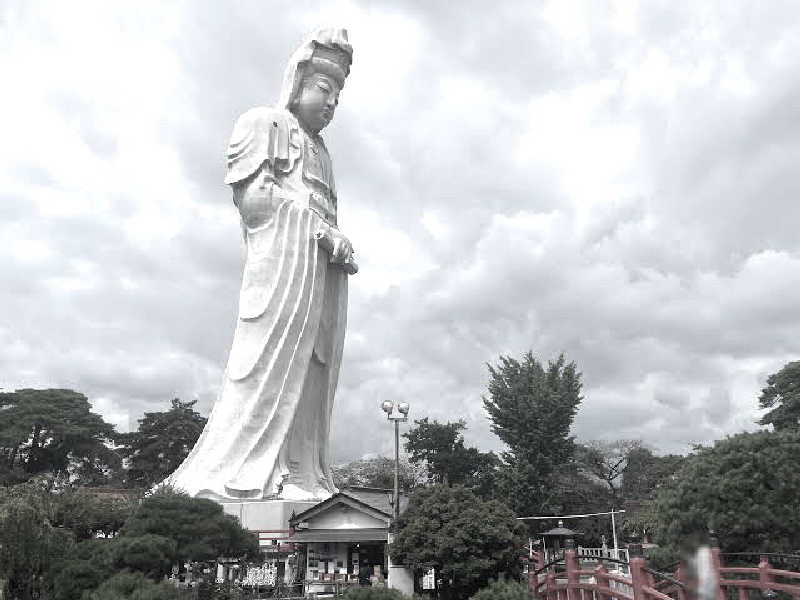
(314,77)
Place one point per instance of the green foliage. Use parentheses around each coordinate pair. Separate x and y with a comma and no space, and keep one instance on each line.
(440,446)
(606,461)
(161,443)
(467,540)
(645,472)
(29,543)
(87,566)
(504,589)
(199,527)
(133,586)
(149,554)
(782,395)
(377,473)
(373,593)
(85,513)
(746,488)
(54,431)
(531,408)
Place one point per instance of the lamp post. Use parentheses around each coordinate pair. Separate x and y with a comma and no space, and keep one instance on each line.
(402,408)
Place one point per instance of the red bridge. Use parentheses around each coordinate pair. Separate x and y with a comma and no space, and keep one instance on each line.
(566,580)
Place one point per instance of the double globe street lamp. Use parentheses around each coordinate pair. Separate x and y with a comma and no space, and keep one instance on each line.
(402,408)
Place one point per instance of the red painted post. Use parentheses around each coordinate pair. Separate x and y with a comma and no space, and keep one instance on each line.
(601,578)
(571,562)
(681,576)
(550,582)
(764,576)
(743,593)
(716,561)
(638,577)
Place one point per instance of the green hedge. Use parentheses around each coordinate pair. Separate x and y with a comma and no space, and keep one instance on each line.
(503,589)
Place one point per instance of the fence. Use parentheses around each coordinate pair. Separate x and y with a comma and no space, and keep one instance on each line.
(566,580)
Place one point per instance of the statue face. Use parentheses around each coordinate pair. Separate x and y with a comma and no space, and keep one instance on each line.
(317,101)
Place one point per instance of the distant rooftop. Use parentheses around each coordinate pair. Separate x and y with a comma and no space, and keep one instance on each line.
(378,498)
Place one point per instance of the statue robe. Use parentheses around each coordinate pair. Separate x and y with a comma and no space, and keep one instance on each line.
(267,436)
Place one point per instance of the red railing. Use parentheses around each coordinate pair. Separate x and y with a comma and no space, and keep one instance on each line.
(565,580)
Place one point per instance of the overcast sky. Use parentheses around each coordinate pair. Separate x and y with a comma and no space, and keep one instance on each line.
(614,181)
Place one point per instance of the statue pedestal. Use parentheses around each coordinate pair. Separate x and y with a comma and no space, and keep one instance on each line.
(265,515)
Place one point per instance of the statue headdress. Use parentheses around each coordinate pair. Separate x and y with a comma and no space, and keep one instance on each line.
(325,51)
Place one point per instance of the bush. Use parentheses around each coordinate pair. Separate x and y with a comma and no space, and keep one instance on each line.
(373,593)
(133,586)
(149,554)
(199,527)
(503,589)
(89,564)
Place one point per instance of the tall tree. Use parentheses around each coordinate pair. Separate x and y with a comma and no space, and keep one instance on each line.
(531,408)
(606,460)
(645,472)
(746,488)
(782,395)
(467,540)
(440,447)
(54,430)
(377,472)
(161,443)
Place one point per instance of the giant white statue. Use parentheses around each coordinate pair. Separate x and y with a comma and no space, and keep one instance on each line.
(267,436)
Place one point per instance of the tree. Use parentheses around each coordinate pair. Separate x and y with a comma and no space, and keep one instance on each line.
(88,565)
(199,527)
(55,431)
(161,443)
(377,472)
(746,488)
(85,513)
(440,447)
(149,554)
(29,543)
(606,461)
(467,540)
(782,395)
(645,472)
(531,409)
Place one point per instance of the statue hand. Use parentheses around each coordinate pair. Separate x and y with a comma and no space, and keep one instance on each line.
(339,247)
(342,250)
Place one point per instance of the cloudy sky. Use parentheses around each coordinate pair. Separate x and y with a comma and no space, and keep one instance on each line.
(612,180)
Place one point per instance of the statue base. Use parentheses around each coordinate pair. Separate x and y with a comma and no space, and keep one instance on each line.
(265,515)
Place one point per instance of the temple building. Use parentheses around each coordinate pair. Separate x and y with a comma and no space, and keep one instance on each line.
(343,540)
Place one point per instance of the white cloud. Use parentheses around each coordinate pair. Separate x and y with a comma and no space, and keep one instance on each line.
(617,182)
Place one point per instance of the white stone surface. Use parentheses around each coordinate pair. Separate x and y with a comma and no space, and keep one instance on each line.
(267,436)
(344,517)
(265,515)
(401,578)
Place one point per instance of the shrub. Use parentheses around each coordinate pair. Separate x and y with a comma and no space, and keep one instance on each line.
(133,586)
(374,593)
(89,564)
(149,554)
(503,589)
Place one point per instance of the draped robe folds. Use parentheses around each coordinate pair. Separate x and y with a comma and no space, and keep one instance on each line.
(267,436)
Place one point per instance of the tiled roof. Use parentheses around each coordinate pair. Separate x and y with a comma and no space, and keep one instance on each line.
(378,498)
